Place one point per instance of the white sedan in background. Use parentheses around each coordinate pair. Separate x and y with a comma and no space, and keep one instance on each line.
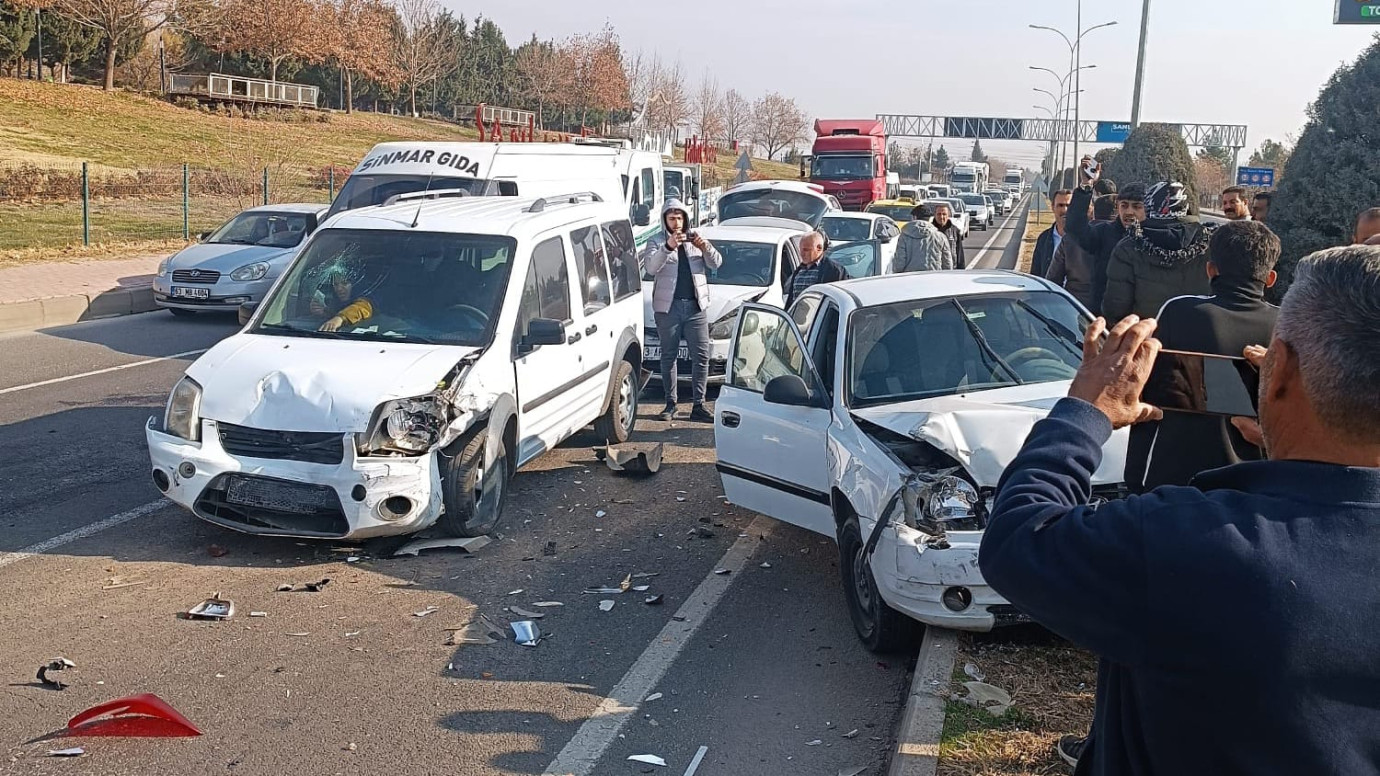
(881,412)
(979,209)
(864,243)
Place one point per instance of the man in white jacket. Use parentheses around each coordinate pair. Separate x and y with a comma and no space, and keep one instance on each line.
(680,296)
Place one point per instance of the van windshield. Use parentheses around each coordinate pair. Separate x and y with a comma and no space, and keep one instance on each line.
(370,190)
(388,285)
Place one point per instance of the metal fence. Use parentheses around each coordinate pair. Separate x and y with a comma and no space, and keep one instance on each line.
(55,206)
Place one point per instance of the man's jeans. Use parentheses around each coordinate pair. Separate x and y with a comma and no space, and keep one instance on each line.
(685,321)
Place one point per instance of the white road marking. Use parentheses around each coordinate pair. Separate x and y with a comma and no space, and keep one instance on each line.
(977,262)
(7,558)
(594,737)
(107,370)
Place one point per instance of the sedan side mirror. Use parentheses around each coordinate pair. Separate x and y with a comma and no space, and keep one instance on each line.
(247,311)
(789,390)
(542,331)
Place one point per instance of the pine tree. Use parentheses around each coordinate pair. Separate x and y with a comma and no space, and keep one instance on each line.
(1153,153)
(978,155)
(941,159)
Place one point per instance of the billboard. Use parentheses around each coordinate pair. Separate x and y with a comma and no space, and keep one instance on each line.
(1115,131)
(1256,177)
(1356,12)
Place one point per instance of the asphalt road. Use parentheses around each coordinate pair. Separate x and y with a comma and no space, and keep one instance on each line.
(755,665)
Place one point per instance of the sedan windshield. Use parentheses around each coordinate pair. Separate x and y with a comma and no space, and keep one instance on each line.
(935,347)
(973,199)
(370,190)
(777,203)
(274,230)
(394,286)
(845,229)
(841,168)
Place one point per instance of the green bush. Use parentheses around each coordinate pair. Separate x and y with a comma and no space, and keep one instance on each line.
(1154,153)
(1334,172)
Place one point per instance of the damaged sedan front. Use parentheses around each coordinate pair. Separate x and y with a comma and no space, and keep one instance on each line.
(882,412)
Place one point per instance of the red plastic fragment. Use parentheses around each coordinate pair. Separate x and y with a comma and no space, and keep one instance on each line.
(143,716)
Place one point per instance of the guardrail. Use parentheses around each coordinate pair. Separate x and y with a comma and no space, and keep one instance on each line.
(229,88)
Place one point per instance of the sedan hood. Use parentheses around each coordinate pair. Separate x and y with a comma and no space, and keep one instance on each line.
(985,430)
(723,300)
(228,257)
(302,384)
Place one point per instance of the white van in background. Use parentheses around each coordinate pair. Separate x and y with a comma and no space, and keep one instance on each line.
(616,174)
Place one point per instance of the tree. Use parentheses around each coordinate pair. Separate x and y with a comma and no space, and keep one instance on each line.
(423,47)
(1153,153)
(941,159)
(274,30)
(777,123)
(708,108)
(1334,170)
(1272,154)
(542,74)
(1222,155)
(978,155)
(737,115)
(1105,158)
(600,84)
(359,44)
(996,170)
(65,42)
(122,22)
(17,28)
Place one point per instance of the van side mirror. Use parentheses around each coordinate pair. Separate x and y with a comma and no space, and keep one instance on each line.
(542,331)
(642,215)
(789,390)
(246,311)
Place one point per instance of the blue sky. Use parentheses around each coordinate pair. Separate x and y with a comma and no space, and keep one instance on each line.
(1257,63)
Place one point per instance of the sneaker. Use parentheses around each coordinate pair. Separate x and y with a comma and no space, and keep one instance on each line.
(669,413)
(701,415)
(1070,748)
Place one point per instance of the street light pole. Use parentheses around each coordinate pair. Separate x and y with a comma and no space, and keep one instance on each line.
(1077,81)
(1075,57)
(1140,64)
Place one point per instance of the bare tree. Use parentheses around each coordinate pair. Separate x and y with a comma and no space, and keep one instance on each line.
(670,101)
(542,74)
(708,108)
(777,123)
(276,30)
(358,46)
(423,47)
(737,115)
(600,83)
(639,71)
(118,21)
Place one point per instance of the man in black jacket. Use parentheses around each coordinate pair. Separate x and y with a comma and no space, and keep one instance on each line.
(1242,266)
(1234,621)
(944,222)
(1048,241)
(1100,238)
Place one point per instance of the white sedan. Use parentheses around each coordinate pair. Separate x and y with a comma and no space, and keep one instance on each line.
(881,412)
(979,209)
(858,230)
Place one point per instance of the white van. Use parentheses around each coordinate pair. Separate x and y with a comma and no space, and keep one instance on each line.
(509,169)
(409,360)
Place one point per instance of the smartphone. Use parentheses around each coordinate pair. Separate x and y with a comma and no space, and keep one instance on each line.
(1090,169)
(1203,384)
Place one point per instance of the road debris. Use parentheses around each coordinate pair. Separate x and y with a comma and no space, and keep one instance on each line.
(472,544)
(308,587)
(426,611)
(297,634)
(815,742)
(646,574)
(974,672)
(549,550)
(858,771)
(695,762)
(481,630)
(656,696)
(654,600)
(641,588)
(526,633)
(217,551)
(680,498)
(75,751)
(526,614)
(352,746)
(117,582)
(626,584)
(989,698)
(702,532)
(765,565)
(353,559)
(635,458)
(54,665)
(722,572)
(548,604)
(606,605)
(213,608)
(519,591)
(649,759)
(603,591)
(600,513)
(258,614)
(145,715)
(851,734)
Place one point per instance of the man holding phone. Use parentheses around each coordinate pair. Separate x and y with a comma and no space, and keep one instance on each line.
(1174,450)
(1100,238)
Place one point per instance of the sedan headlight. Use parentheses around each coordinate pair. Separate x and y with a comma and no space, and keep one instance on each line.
(182,418)
(254,271)
(723,328)
(163,267)
(410,426)
(935,502)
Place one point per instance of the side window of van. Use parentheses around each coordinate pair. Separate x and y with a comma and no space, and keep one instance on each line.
(622,251)
(594,272)
(635,199)
(546,294)
(648,189)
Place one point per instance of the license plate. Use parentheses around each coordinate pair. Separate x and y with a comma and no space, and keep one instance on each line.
(654,353)
(182,292)
(280,496)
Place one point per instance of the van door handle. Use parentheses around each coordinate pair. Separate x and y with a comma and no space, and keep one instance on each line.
(593,327)
(730,419)
(572,339)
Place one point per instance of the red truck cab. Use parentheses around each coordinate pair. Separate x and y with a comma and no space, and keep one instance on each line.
(848,160)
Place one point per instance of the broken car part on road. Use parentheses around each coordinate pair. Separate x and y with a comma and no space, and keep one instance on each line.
(55,665)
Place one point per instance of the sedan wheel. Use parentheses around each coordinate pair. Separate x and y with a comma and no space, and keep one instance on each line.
(880,628)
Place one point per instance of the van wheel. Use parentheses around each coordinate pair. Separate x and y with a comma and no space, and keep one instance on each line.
(880,628)
(615,426)
(472,493)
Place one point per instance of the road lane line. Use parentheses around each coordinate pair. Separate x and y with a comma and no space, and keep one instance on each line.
(594,737)
(8,558)
(977,262)
(107,370)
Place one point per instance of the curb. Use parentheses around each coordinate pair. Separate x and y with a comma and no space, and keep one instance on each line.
(32,314)
(917,743)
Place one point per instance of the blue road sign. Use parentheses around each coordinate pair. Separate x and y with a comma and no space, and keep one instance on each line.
(1356,12)
(1255,177)
(1113,131)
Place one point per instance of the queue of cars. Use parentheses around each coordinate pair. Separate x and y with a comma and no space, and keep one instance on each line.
(404,358)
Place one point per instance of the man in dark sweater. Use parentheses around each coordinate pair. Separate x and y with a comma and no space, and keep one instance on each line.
(1242,266)
(1101,237)
(1235,620)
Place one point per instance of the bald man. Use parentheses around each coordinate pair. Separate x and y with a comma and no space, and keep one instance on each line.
(814,268)
(1367,226)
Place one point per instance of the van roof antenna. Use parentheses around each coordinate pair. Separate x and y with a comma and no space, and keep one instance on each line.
(418,215)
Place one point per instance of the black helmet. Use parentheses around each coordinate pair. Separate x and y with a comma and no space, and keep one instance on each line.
(1166,200)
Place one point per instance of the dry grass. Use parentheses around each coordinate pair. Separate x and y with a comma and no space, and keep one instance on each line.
(1051,686)
(1038,222)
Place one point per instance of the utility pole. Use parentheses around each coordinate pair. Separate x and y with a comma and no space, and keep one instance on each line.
(1140,64)
(38,16)
(1077,81)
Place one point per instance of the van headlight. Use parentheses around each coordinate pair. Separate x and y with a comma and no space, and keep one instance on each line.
(410,426)
(182,418)
(936,502)
(722,329)
(254,271)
